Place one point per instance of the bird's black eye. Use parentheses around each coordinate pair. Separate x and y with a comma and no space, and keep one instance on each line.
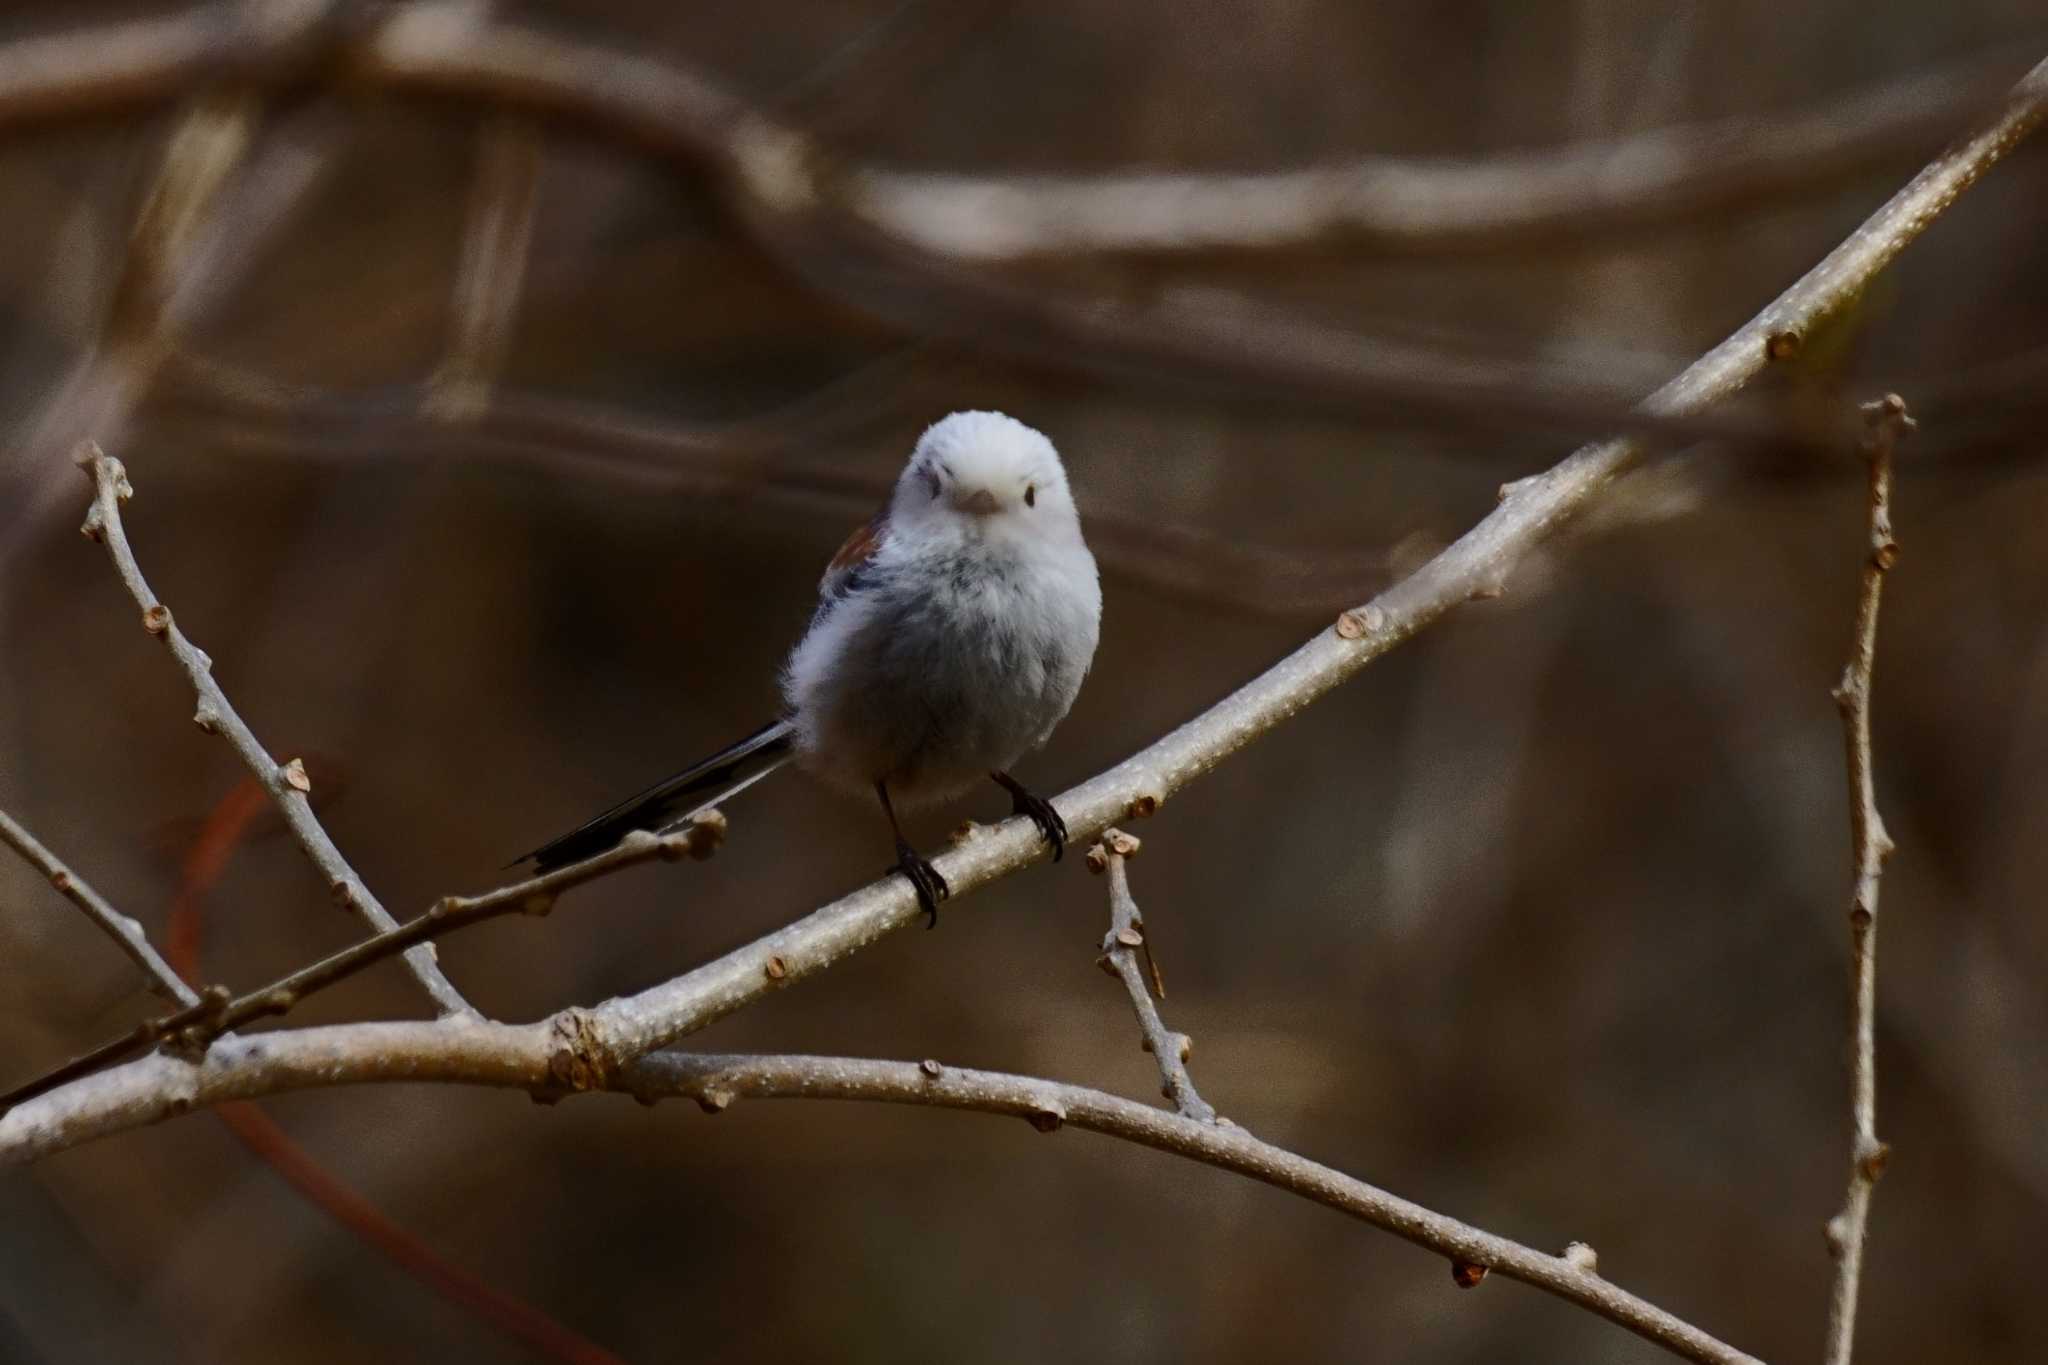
(1031,495)
(931,479)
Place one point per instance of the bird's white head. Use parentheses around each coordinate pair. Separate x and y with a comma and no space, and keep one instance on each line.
(982,474)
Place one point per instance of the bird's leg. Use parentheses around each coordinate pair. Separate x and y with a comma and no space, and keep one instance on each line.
(931,888)
(1023,801)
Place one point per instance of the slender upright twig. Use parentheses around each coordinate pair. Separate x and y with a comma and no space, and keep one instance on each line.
(1871,845)
(287,783)
(126,931)
(1120,956)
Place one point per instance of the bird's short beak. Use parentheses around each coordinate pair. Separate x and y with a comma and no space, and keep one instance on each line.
(981,503)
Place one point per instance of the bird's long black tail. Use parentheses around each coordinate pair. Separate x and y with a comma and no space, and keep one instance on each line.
(701,785)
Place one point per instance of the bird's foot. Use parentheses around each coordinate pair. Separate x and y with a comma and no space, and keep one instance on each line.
(1026,802)
(931,888)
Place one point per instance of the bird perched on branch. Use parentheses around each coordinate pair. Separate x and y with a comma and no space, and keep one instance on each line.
(951,636)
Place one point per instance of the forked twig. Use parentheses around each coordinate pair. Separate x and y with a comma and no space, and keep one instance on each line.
(1120,947)
(214,1012)
(287,783)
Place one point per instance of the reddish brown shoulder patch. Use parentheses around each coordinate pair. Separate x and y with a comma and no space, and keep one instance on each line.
(859,547)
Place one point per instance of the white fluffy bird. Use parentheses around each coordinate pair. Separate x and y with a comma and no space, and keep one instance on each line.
(951,637)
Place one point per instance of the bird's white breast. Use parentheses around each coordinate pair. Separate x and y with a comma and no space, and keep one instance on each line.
(944,661)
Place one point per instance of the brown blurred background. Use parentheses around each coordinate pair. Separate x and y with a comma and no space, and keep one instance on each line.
(1540,922)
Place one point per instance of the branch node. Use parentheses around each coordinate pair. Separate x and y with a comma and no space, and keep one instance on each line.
(641,843)
(715,1101)
(776,969)
(156,619)
(207,718)
(1047,1116)
(1871,1160)
(930,1067)
(1143,805)
(1582,1258)
(1784,343)
(1467,1274)
(294,775)
(578,1061)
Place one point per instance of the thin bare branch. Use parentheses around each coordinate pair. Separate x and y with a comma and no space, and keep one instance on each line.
(528,1057)
(287,783)
(1120,957)
(126,931)
(1871,846)
(206,1018)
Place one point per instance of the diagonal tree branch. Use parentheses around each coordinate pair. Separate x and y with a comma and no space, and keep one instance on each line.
(484,1053)
(716,1081)
(287,783)
(1120,958)
(126,931)
(1845,1231)
(1477,564)
(206,1017)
